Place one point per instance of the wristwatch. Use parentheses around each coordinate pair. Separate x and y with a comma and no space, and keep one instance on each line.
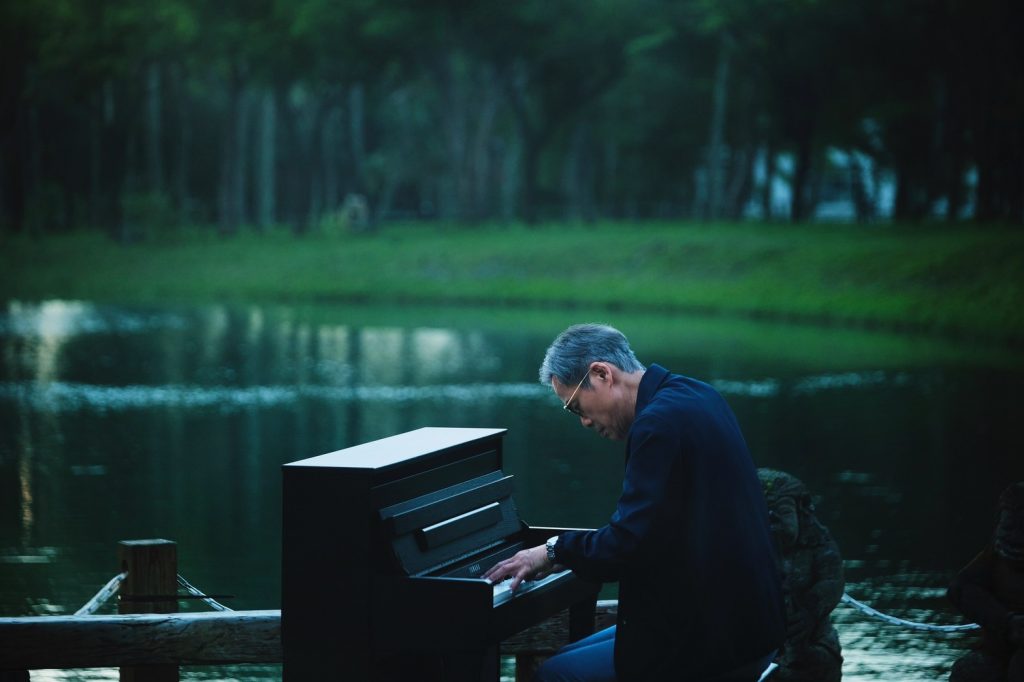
(550,545)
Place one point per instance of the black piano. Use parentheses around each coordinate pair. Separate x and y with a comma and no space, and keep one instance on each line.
(383,548)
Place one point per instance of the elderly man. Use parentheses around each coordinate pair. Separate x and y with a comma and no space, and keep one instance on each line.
(689,541)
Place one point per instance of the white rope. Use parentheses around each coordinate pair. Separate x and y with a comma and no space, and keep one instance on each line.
(861,606)
(101,597)
(213,603)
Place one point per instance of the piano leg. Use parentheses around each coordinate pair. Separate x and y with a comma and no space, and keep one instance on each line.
(478,666)
(581,619)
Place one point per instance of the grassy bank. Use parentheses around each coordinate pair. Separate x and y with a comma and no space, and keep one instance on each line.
(965,281)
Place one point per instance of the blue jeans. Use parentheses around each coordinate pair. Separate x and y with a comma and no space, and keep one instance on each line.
(592,659)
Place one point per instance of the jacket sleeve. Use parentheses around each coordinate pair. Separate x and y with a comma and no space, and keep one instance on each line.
(603,554)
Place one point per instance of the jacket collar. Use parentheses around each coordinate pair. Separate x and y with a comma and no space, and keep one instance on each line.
(650,382)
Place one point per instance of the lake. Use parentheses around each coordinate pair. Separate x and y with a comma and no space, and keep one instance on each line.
(128,422)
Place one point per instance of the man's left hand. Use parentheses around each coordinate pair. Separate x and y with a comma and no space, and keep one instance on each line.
(525,565)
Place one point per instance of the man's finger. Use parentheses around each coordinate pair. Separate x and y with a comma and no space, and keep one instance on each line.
(516,579)
(495,571)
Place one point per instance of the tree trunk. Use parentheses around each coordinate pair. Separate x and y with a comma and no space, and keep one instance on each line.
(304,122)
(578,176)
(531,165)
(13,78)
(357,135)
(800,206)
(510,175)
(242,166)
(227,219)
(863,201)
(315,162)
(481,172)
(740,183)
(112,168)
(716,154)
(35,170)
(767,195)
(182,146)
(154,130)
(266,164)
(233,156)
(453,204)
(95,159)
(331,140)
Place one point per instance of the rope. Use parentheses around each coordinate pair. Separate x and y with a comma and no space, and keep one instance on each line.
(861,606)
(101,597)
(213,603)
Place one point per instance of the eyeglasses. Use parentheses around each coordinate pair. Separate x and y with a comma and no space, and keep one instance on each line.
(575,410)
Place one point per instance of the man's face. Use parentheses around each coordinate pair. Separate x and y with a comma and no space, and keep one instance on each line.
(598,406)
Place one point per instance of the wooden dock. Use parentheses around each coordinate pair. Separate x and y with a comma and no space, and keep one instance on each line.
(148,640)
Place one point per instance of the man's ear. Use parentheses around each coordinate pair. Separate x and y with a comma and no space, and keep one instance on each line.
(603,371)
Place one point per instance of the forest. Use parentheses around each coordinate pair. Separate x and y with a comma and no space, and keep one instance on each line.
(317,114)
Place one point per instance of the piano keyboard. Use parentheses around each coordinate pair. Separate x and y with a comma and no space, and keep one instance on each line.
(503,590)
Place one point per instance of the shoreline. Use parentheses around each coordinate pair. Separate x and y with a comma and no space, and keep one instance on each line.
(962,283)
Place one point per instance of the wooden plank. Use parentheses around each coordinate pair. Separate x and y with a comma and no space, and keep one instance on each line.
(208,638)
(211,638)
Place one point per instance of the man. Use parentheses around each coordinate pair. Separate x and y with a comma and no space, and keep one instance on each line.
(812,582)
(689,542)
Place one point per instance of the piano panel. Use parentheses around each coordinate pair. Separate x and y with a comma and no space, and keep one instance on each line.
(446,503)
(394,491)
(435,614)
(384,544)
(448,525)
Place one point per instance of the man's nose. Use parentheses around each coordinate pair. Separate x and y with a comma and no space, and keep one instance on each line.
(587,422)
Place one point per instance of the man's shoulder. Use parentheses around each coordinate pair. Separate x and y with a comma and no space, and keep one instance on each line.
(677,401)
(679,393)
(680,405)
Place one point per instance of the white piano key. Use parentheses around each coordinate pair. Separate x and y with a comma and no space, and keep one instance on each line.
(503,590)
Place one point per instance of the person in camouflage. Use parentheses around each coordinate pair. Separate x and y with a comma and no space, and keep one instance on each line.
(990,591)
(812,574)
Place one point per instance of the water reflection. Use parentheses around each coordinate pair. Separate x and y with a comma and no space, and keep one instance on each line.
(62,397)
(125,423)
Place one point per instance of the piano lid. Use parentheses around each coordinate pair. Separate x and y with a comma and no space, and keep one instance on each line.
(398,449)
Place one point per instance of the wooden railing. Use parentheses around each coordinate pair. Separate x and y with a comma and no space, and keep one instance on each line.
(150,646)
(209,638)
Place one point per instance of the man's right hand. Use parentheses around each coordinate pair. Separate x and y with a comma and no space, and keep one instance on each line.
(527,564)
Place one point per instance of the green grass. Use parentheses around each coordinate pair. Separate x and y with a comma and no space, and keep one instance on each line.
(965,281)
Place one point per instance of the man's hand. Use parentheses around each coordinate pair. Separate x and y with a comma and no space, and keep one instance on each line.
(525,565)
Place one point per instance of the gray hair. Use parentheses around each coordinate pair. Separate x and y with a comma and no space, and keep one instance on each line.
(569,356)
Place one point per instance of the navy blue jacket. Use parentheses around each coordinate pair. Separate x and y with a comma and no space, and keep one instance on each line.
(688,543)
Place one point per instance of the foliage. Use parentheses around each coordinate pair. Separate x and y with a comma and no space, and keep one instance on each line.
(494,110)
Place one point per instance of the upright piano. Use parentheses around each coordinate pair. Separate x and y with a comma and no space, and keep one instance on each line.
(384,544)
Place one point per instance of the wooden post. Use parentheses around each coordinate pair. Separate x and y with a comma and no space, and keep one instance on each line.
(152,567)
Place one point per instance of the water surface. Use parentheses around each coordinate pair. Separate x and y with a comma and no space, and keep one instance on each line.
(122,423)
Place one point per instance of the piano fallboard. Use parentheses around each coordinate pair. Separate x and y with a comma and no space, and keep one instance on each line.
(438,614)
